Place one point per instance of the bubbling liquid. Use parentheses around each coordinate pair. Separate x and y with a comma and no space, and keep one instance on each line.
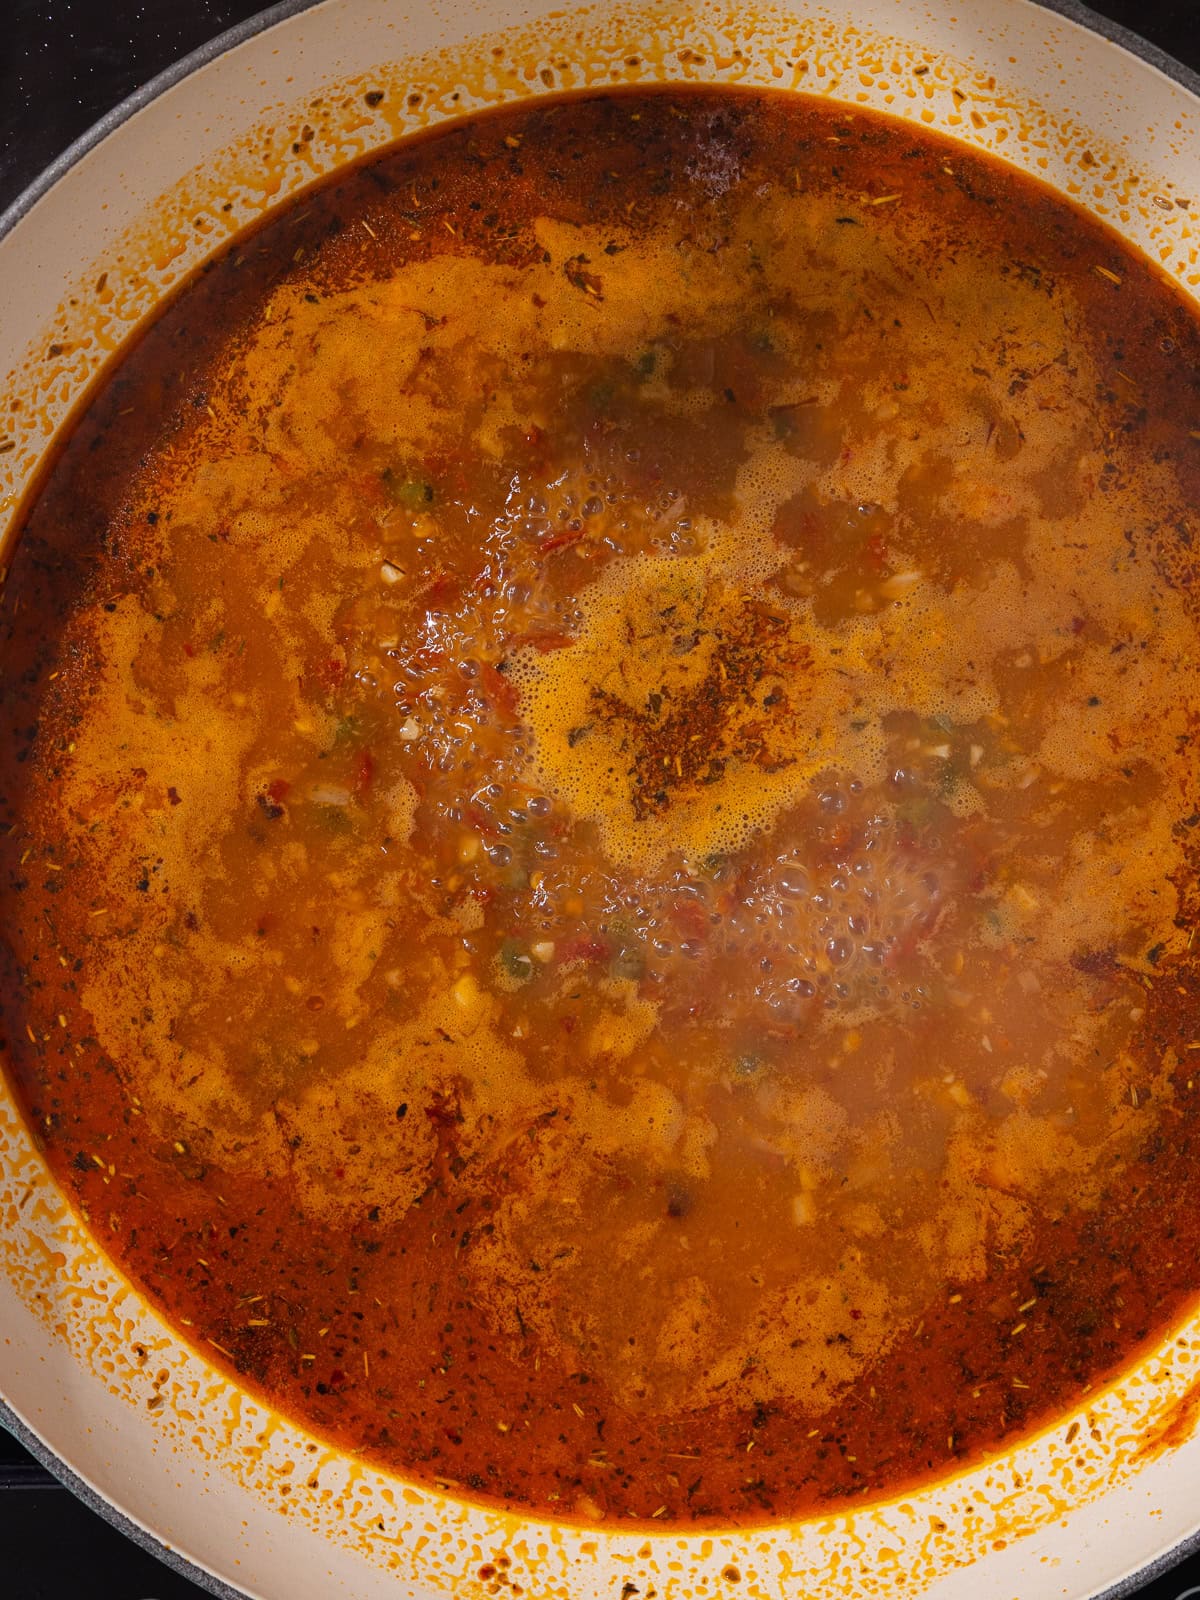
(633,728)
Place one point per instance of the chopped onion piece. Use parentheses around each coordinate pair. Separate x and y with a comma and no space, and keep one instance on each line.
(899,584)
(329,794)
(466,992)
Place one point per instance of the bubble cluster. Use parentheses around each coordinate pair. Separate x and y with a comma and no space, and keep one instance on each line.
(657,645)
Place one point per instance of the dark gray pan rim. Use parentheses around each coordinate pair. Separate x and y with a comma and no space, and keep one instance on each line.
(1074,11)
(140,98)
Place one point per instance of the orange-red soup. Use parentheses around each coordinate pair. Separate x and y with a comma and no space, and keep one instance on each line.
(600,812)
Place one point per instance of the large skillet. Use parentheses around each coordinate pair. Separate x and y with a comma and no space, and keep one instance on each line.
(206,1475)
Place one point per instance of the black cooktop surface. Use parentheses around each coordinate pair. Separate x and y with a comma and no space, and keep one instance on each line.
(63,64)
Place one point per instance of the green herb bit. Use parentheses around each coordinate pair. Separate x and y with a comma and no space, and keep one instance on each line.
(333,819)
(413,493)
(515,961)
(919,810)
(628,961)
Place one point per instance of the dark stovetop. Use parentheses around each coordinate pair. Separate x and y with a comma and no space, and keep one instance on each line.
(63,63)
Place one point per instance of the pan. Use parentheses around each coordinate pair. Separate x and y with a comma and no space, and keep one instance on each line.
(100,1387)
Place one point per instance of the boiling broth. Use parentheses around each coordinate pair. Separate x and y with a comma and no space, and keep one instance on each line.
(600,809)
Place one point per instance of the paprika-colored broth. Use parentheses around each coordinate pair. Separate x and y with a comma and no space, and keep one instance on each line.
(600,814)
